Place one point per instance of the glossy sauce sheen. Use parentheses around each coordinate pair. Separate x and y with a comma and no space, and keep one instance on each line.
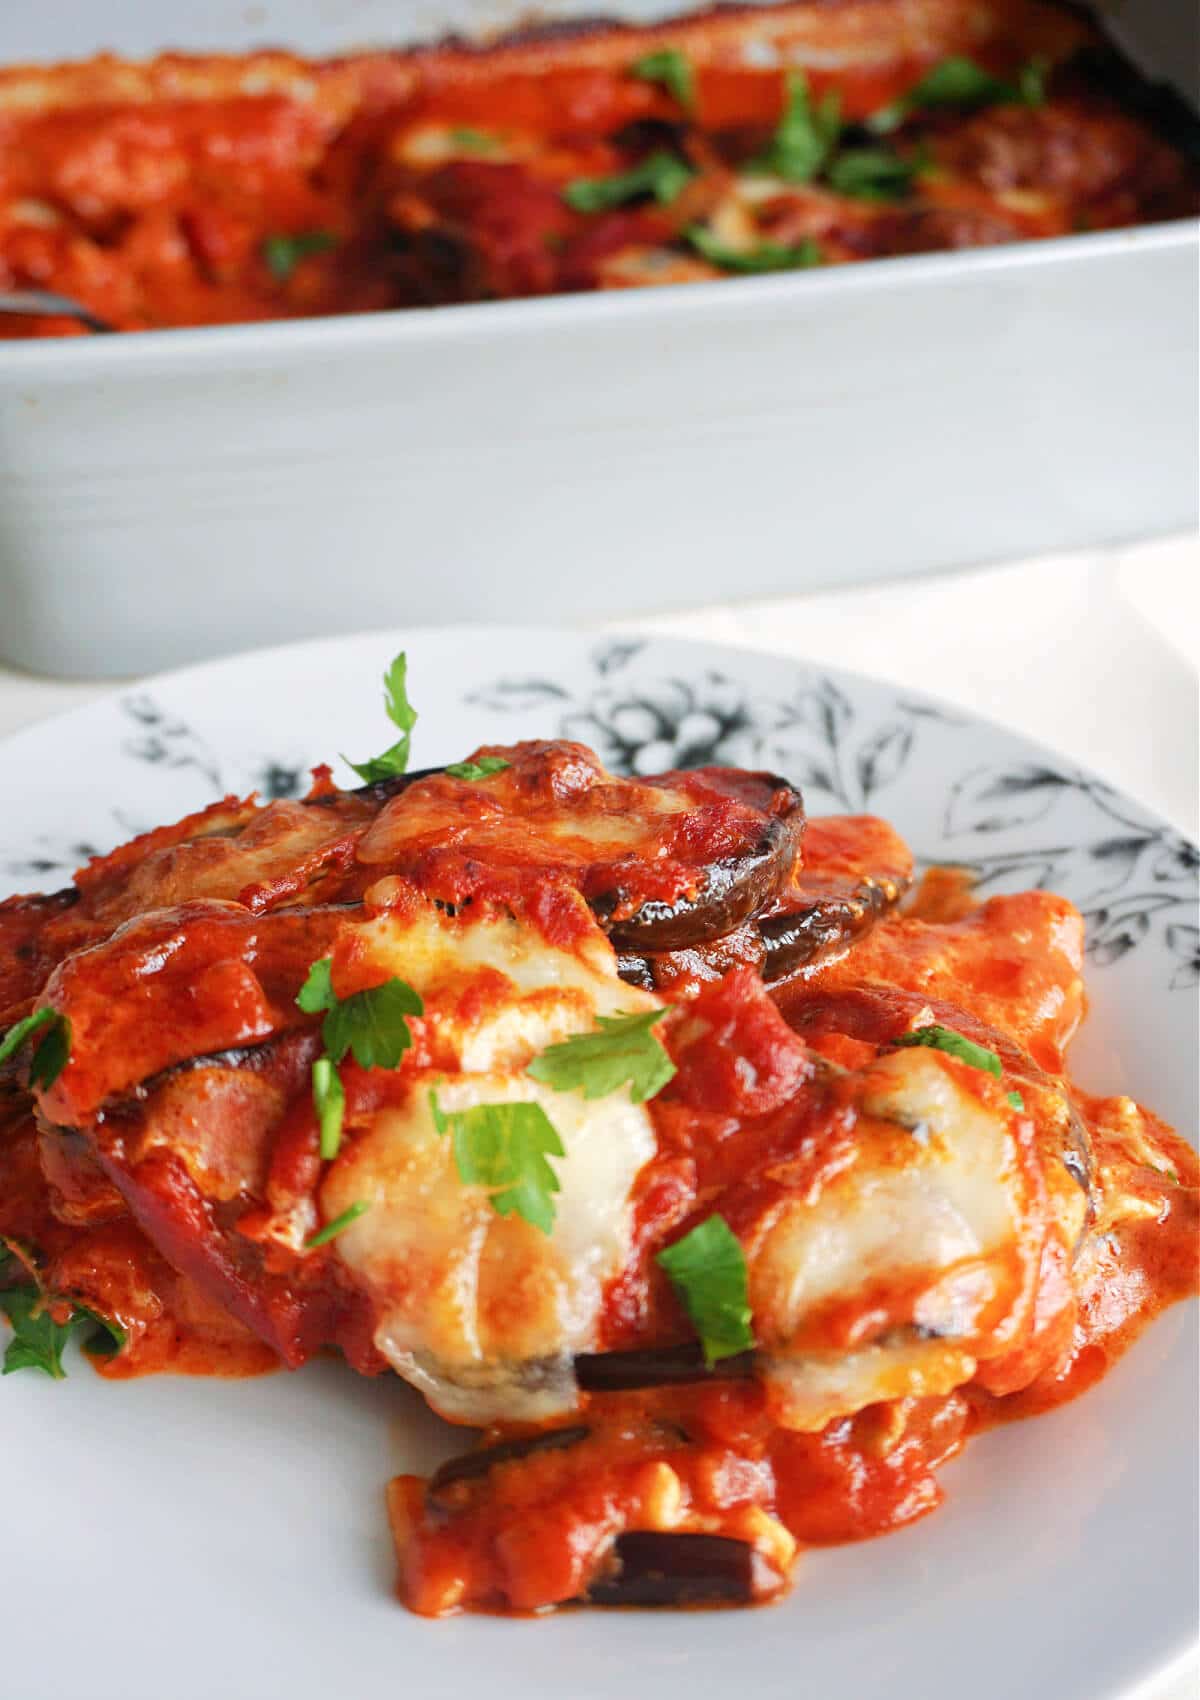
(158,195)
(172,1171)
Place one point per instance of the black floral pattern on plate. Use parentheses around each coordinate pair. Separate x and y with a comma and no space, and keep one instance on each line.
(1132,879)
(156,739)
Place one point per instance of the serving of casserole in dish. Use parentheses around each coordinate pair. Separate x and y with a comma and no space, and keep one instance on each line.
(207,189)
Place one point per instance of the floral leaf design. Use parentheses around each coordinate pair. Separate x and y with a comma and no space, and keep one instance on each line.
(1023,872)
(1112,935)
(274,780)
(824,709)
(165,742)
(882,756)
(1117,858)
(1115,930)
(49,858)
(518,696)
(611,657)
(993,799)
(1184,942)
(669,723)
(1179,860)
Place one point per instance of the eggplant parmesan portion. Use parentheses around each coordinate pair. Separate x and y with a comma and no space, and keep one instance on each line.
(722,1264)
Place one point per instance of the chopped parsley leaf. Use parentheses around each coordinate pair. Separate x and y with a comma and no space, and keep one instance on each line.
(38,1340)
(946,1039)
(53,1049)
(622,1051)
(373,1024)
(329,1101)
(506,1148)
(401,713)
(660,174)
(331,1229)
(284,253)
(960,82)
(475,141)
(481,769)
(671,69)
(872,174)
(766,257)
(708,1272)
(1016,1100)
(805,136)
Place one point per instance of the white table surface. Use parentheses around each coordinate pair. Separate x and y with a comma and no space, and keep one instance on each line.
(1097,654)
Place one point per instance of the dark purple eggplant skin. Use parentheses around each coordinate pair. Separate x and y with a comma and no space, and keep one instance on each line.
(646,1568)
(785,941)
(731,891)
(472,1465)
(804,934)
(656,1366)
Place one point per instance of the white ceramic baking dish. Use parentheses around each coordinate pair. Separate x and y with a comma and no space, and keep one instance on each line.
(171,495)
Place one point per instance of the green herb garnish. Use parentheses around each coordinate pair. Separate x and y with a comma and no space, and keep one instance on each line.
(481,769)
(373,1024)
(766,257)
(401,713)
(623,1051)
(284,253)
(53,1050)
(954,1045)
(329,1101)
(872,174)
(671,69)
(960,82)
(328,1232)
(38,1340)
(805,136)
(1016,1100)
(506,1148)
(659,174)
(708,1272)
(475,141)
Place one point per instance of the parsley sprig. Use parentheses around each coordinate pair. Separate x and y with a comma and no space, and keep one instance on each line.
(955,1045)
(505,1148)
(332,1229)
(401,713)
(53,1048)
(873,174)
(475,770)
(623,1051)
(373,1024)
(284,253)
(660,174)
(966,1050)
(766,257)
(671,69)
(805,136)
(329,1101)
(958,82)
(38,1341)
(708,1272)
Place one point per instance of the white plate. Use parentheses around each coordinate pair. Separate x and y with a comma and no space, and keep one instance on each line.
(175,1539)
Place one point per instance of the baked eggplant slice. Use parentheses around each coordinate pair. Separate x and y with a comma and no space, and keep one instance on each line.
(855,870)
(648,1567)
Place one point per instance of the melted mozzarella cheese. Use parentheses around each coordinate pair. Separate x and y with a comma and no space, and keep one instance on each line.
(922,1239)
(481,1312)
